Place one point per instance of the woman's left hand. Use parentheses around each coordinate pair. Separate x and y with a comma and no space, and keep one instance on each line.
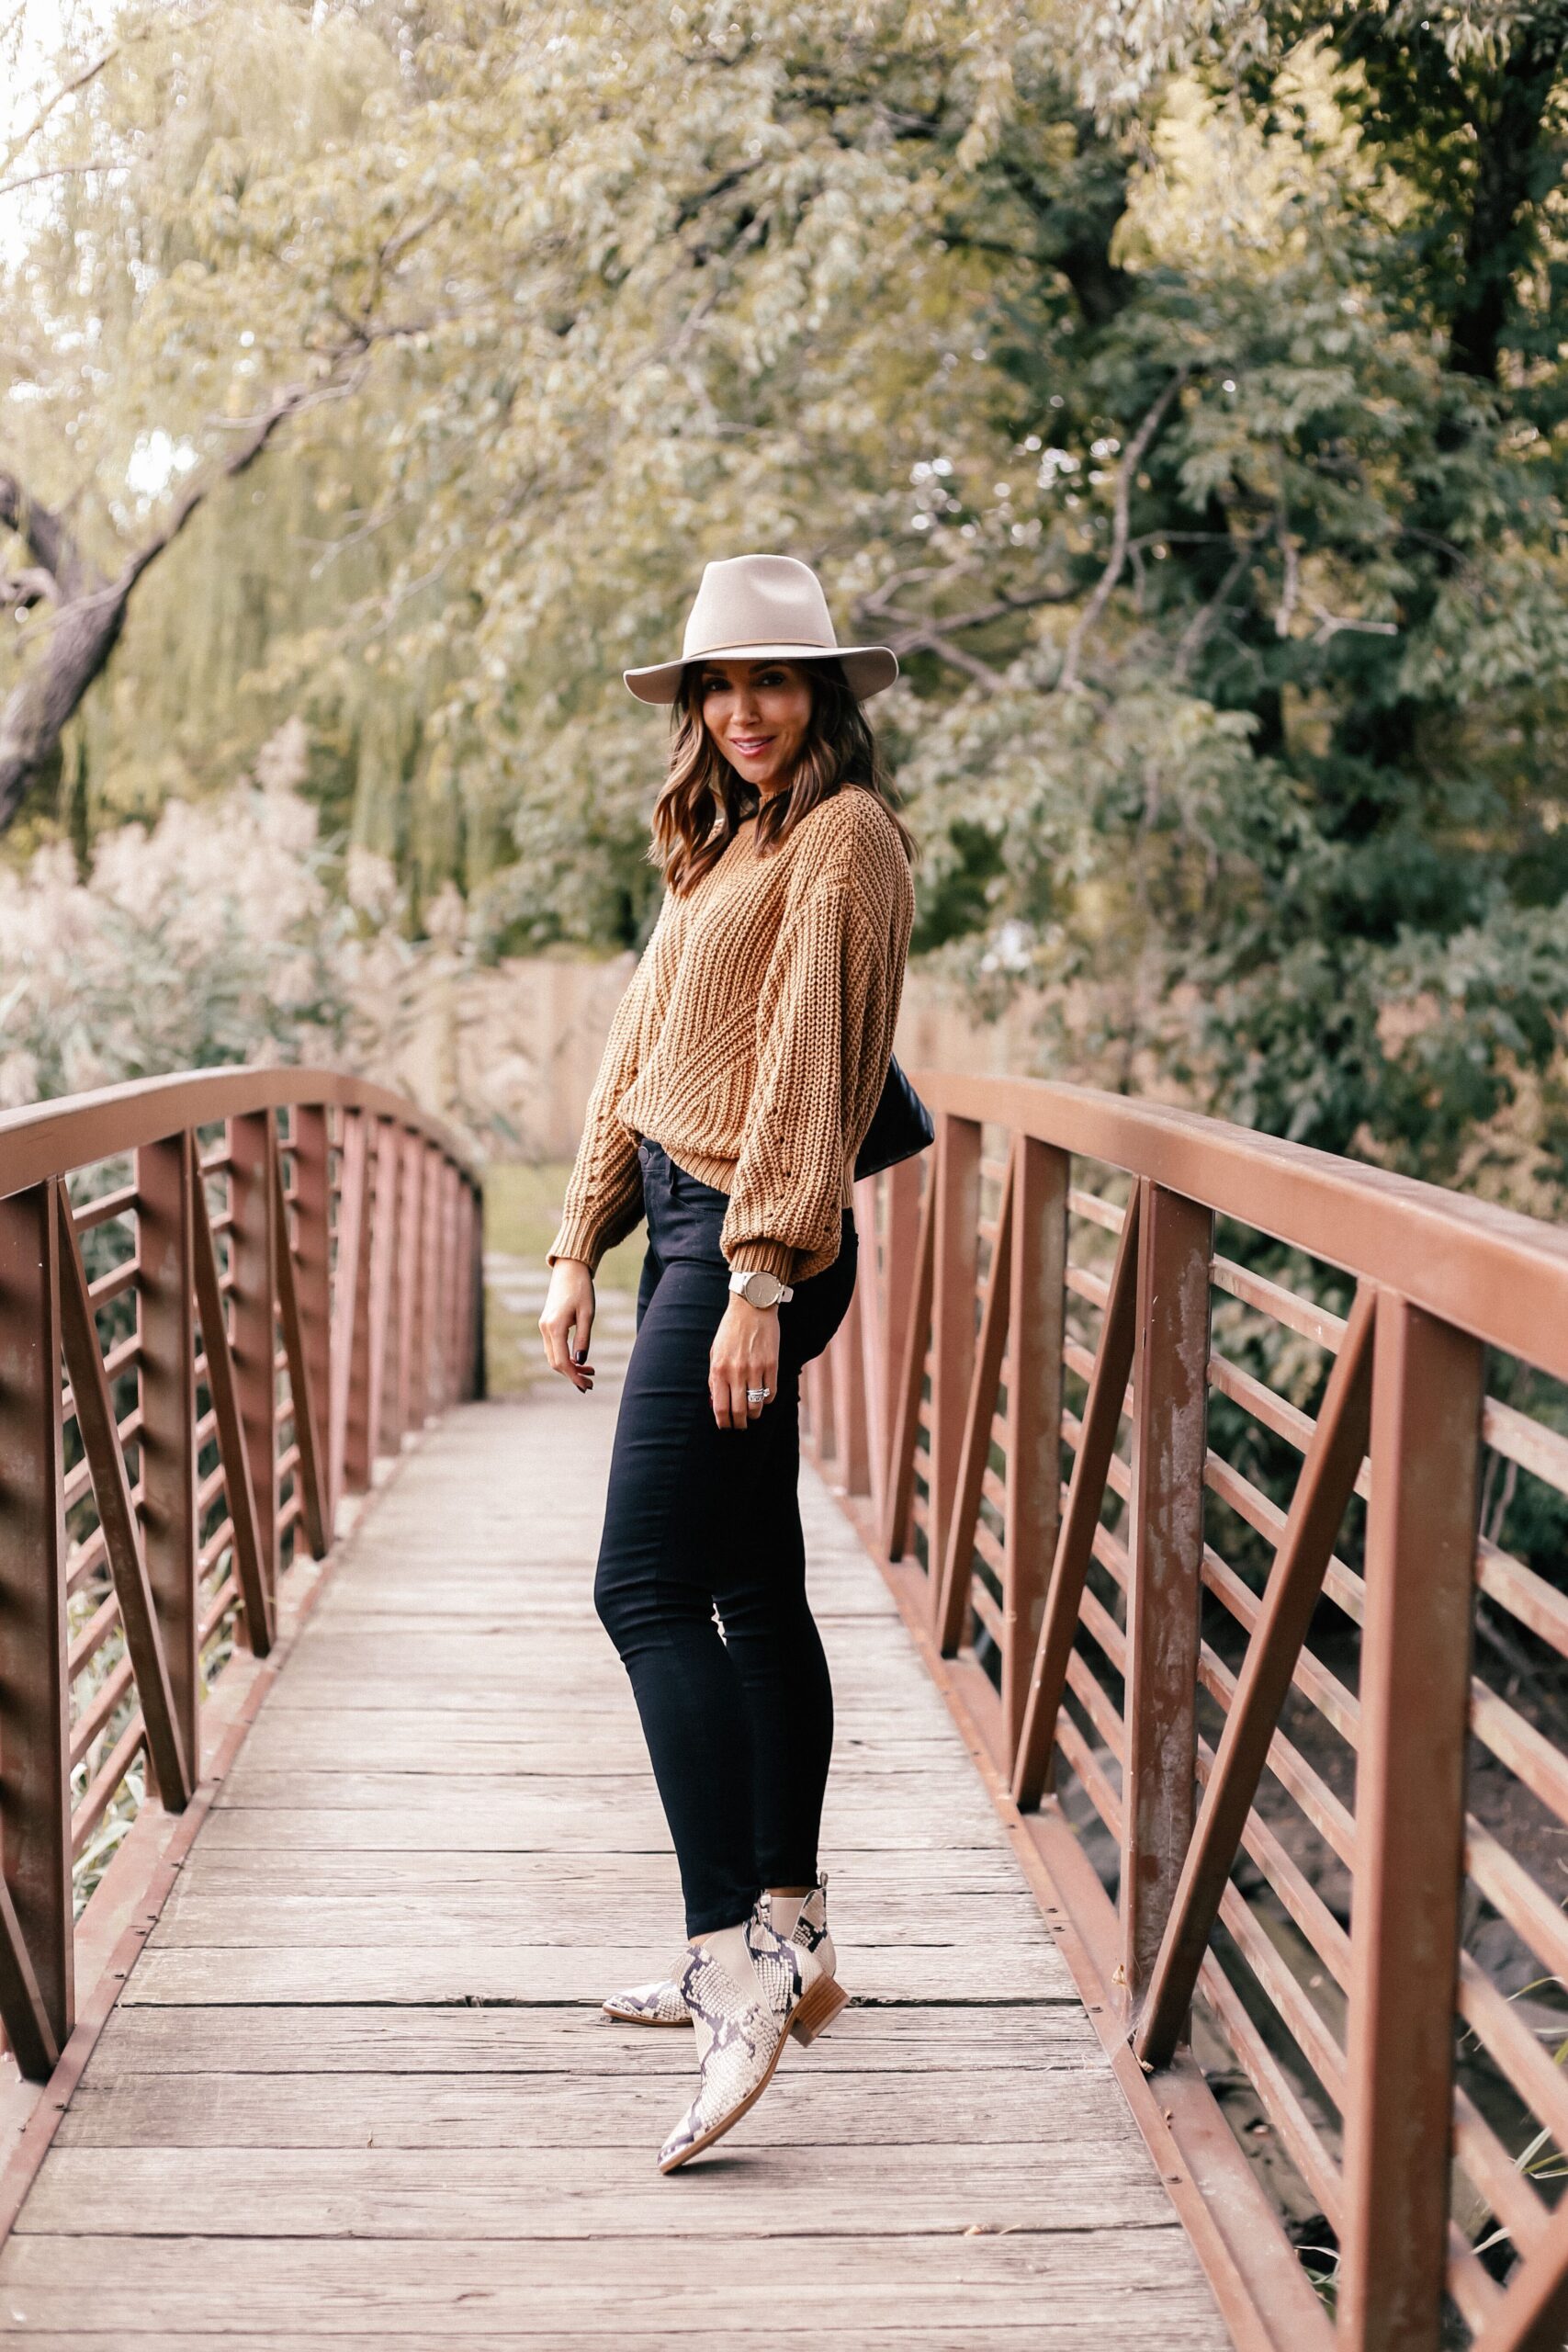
(744,1354)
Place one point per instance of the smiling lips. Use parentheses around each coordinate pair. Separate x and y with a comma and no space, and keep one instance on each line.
(750,747)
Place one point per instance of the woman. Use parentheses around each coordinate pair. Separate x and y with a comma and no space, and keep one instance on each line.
(741,1071)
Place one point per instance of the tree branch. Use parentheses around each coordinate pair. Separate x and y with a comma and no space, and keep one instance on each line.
(1132,456)
(1200,629)
(90,611)
(62,172)
(90,73)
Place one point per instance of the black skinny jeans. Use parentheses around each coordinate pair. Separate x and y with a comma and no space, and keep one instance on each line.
(740,1726)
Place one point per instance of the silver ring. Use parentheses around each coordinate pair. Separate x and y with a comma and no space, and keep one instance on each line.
(757,1395)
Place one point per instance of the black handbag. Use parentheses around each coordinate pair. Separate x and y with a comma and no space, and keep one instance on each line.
(900,1125)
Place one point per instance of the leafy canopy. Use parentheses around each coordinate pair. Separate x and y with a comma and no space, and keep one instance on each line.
(1181,390)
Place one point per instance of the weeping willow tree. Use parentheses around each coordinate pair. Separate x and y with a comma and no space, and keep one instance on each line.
(1181,390)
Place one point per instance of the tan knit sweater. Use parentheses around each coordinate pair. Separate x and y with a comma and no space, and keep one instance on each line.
(752,1042)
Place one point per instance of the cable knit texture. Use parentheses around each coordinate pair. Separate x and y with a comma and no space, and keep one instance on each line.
(753,1040)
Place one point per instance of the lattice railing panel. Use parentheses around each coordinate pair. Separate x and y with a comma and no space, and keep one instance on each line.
(1240,1476)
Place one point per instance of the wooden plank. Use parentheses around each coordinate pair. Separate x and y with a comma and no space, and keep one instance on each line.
(1079,2181)
(646,2335)
(179,1975)
(460,2088)
(1133,2287)
(334,2040)
(935,2108)
(323,1740)
(534,1909)
(866,1886)
(906,1808)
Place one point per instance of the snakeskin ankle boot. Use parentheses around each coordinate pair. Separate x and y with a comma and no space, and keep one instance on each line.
(662,2001)
(740,2030)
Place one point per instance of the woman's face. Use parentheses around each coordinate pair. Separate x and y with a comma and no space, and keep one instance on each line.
(758,714)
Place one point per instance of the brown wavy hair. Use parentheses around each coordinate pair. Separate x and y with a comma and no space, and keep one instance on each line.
(704,801)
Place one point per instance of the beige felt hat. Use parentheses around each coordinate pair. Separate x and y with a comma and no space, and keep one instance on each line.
(758,608)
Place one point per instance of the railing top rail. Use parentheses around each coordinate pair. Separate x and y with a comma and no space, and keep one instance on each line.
(1493,1272)
(46,1138)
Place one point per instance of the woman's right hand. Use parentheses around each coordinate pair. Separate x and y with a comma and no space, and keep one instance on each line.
(567,1322)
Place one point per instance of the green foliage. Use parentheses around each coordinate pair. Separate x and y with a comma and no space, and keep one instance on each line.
(1179,388)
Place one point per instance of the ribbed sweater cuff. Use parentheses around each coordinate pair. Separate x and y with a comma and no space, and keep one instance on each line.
(761,1257)
(576,1237)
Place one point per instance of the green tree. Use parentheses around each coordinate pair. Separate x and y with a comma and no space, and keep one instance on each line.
(1180,391)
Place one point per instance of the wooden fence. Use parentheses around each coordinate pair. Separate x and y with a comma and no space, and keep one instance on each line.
(223,1296)
(1223,1483)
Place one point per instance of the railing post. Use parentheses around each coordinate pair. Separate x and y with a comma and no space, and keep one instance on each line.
(820,1414)
(955,1274)
(463,1292)
(1034,1373)
(383,1256)
(310,1474)
(434,1371)
(1170,1392)
(223,1388)
(349,1448)
(411,1152)
(166,1281)
(897,1294)
(478,1359)
(416,1381)
(309,1147)
(870,1331)
(464,1288)
(451,1276)
(955,1588)
(253,1261)
(474,1333)
(844,1359)
(34,1710)
(908,1372)
(1410,1781)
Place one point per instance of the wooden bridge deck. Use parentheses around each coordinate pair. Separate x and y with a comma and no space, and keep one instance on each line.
(357,2086)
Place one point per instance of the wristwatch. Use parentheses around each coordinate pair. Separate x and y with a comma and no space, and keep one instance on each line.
(760,1289)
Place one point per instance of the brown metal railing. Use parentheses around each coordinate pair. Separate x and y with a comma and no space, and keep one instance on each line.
(223,1296)
(1220,1482)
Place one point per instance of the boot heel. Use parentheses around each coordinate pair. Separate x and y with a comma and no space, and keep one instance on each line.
(819,2006)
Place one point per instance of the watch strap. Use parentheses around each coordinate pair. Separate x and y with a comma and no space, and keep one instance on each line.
(741,1275)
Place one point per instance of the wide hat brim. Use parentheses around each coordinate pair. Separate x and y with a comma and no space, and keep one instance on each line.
(867,667)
